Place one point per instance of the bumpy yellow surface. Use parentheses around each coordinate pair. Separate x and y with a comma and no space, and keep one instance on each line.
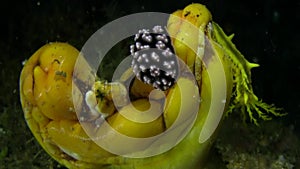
(46,96)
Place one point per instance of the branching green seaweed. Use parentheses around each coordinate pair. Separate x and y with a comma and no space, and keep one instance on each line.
(244,98)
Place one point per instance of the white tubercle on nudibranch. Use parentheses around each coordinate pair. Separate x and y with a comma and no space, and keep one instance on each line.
(154,61)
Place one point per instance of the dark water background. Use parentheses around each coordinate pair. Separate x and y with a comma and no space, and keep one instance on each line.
(266,32)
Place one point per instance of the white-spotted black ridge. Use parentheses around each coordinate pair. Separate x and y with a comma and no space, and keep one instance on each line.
(154,61)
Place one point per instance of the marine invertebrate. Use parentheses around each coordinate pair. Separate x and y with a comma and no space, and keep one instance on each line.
(194,93)
(158,68)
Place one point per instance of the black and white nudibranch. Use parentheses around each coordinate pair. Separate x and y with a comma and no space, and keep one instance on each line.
(154,61)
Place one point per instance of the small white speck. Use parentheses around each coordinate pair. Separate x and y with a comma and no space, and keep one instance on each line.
(172,73)
(138,75)
(90,99)
(142,67)
(24,62)
(155,57)
(132,52)
(155,72)
(168,73)
(135,55)
(136,36)
(139,59)
(160,45)
(164,81)
(131,46)
(167,65)
(146,31)
(147,38)
(157,29)
(146,47)
(146,79)
(99,121)
(158,82)
(162,38)
(135,69)
(144,55)
(138,45)
(167,52)
(223,101)
(81,118)
(133,62)
(152,67)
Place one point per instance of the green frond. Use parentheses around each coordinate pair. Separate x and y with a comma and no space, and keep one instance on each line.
(244,99)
